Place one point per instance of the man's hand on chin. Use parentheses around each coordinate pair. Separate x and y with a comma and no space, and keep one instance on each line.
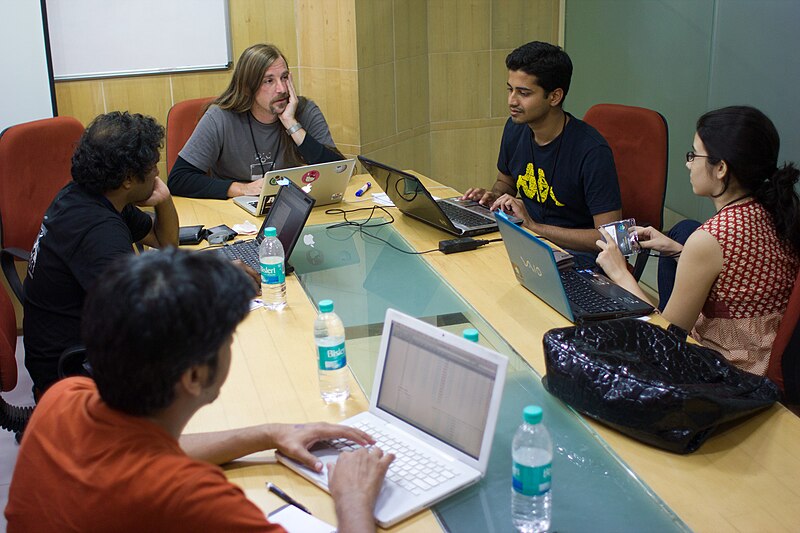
(159,195)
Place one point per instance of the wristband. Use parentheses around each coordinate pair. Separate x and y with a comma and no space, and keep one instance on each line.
(291,131)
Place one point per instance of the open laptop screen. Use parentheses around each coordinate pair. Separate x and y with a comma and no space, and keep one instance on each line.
(407,193)
(288,215)
(438,388)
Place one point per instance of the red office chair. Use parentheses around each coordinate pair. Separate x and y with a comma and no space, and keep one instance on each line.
(35,163)
(784,360)
(181,121)
(12,417)
(639,140)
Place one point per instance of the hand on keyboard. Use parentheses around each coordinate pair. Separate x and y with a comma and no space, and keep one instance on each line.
(294,441)
(482,196)
(356,479)
(514,206)
(255,277)
(412,470)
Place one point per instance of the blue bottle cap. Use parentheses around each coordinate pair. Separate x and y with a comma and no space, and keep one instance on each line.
(471,334)
(532,414)
(270,232)
(325,306)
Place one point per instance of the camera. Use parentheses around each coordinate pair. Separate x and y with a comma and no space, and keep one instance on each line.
(623,235)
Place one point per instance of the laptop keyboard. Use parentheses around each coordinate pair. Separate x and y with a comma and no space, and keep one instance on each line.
(580,292)
(412,470)
(246,251)
(465,217)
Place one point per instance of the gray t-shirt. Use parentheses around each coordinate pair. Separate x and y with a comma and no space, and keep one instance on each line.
(222,144)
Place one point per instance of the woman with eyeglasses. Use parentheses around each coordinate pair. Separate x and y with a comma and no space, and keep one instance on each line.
(734,273)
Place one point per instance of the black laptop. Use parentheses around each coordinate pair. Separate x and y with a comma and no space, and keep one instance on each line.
(288,215)
(579,295)
(464,218)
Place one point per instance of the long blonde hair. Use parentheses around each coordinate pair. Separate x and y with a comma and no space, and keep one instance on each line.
(247,77)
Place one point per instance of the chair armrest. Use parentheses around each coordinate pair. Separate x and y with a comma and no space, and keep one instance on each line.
(8,258)
(73,363)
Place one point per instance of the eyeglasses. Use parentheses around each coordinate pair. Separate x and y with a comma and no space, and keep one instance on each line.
(690,155)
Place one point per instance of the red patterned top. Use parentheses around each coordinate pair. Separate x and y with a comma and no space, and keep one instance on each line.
(743,311)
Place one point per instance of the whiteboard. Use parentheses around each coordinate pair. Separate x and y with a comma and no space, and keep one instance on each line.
(105,38)
(26,88)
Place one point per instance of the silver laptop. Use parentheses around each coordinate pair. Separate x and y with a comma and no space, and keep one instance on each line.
(324,182)
(434,404)
(579,295)
(459,217)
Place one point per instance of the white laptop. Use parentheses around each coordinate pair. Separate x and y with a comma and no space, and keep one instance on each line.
(324,182)
(437,396)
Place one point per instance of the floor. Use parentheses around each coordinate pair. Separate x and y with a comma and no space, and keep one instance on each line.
(21,395)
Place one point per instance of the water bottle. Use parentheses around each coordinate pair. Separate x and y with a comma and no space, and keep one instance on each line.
(273,278)
(471,334)
(331,357)
(532,454)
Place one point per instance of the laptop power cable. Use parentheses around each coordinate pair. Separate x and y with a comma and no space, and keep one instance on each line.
(464,244)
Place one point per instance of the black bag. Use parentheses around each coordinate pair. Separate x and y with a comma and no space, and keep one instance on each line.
(650,383)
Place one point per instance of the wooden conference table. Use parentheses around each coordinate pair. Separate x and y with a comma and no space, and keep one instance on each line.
(744,479)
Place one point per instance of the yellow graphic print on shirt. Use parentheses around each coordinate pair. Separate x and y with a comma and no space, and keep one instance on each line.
(536,189)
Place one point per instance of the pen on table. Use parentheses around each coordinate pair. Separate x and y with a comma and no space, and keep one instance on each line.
(364,188)
(273,488)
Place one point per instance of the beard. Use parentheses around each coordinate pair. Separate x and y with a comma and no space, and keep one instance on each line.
(278,104)
(517,115)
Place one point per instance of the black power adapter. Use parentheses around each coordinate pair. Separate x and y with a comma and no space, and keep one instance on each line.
(464,244)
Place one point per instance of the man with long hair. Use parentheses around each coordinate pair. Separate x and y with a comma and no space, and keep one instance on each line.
(257,124)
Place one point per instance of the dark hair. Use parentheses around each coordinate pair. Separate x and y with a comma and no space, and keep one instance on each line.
(746,139)
(116,146)
(549,63)
(154,316)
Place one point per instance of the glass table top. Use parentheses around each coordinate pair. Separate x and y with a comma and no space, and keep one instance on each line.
(592,489)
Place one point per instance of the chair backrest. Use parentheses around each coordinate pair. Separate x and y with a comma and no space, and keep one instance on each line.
(181,121)
(784,358)
(8,343)
(35,163)
(639,140)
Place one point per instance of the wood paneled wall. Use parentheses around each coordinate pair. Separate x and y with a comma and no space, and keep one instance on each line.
(394,81)
(414,83)
(468,80)
(437,104)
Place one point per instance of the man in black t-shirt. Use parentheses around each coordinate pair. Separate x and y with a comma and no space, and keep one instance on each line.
(561,168)
(92,221)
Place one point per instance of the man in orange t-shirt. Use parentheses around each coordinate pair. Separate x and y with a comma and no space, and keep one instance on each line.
(108,454)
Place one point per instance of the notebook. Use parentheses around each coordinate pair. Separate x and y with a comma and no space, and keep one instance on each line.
(288,215)
(579,295)
(459,217)
(325,182)
(435,395)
